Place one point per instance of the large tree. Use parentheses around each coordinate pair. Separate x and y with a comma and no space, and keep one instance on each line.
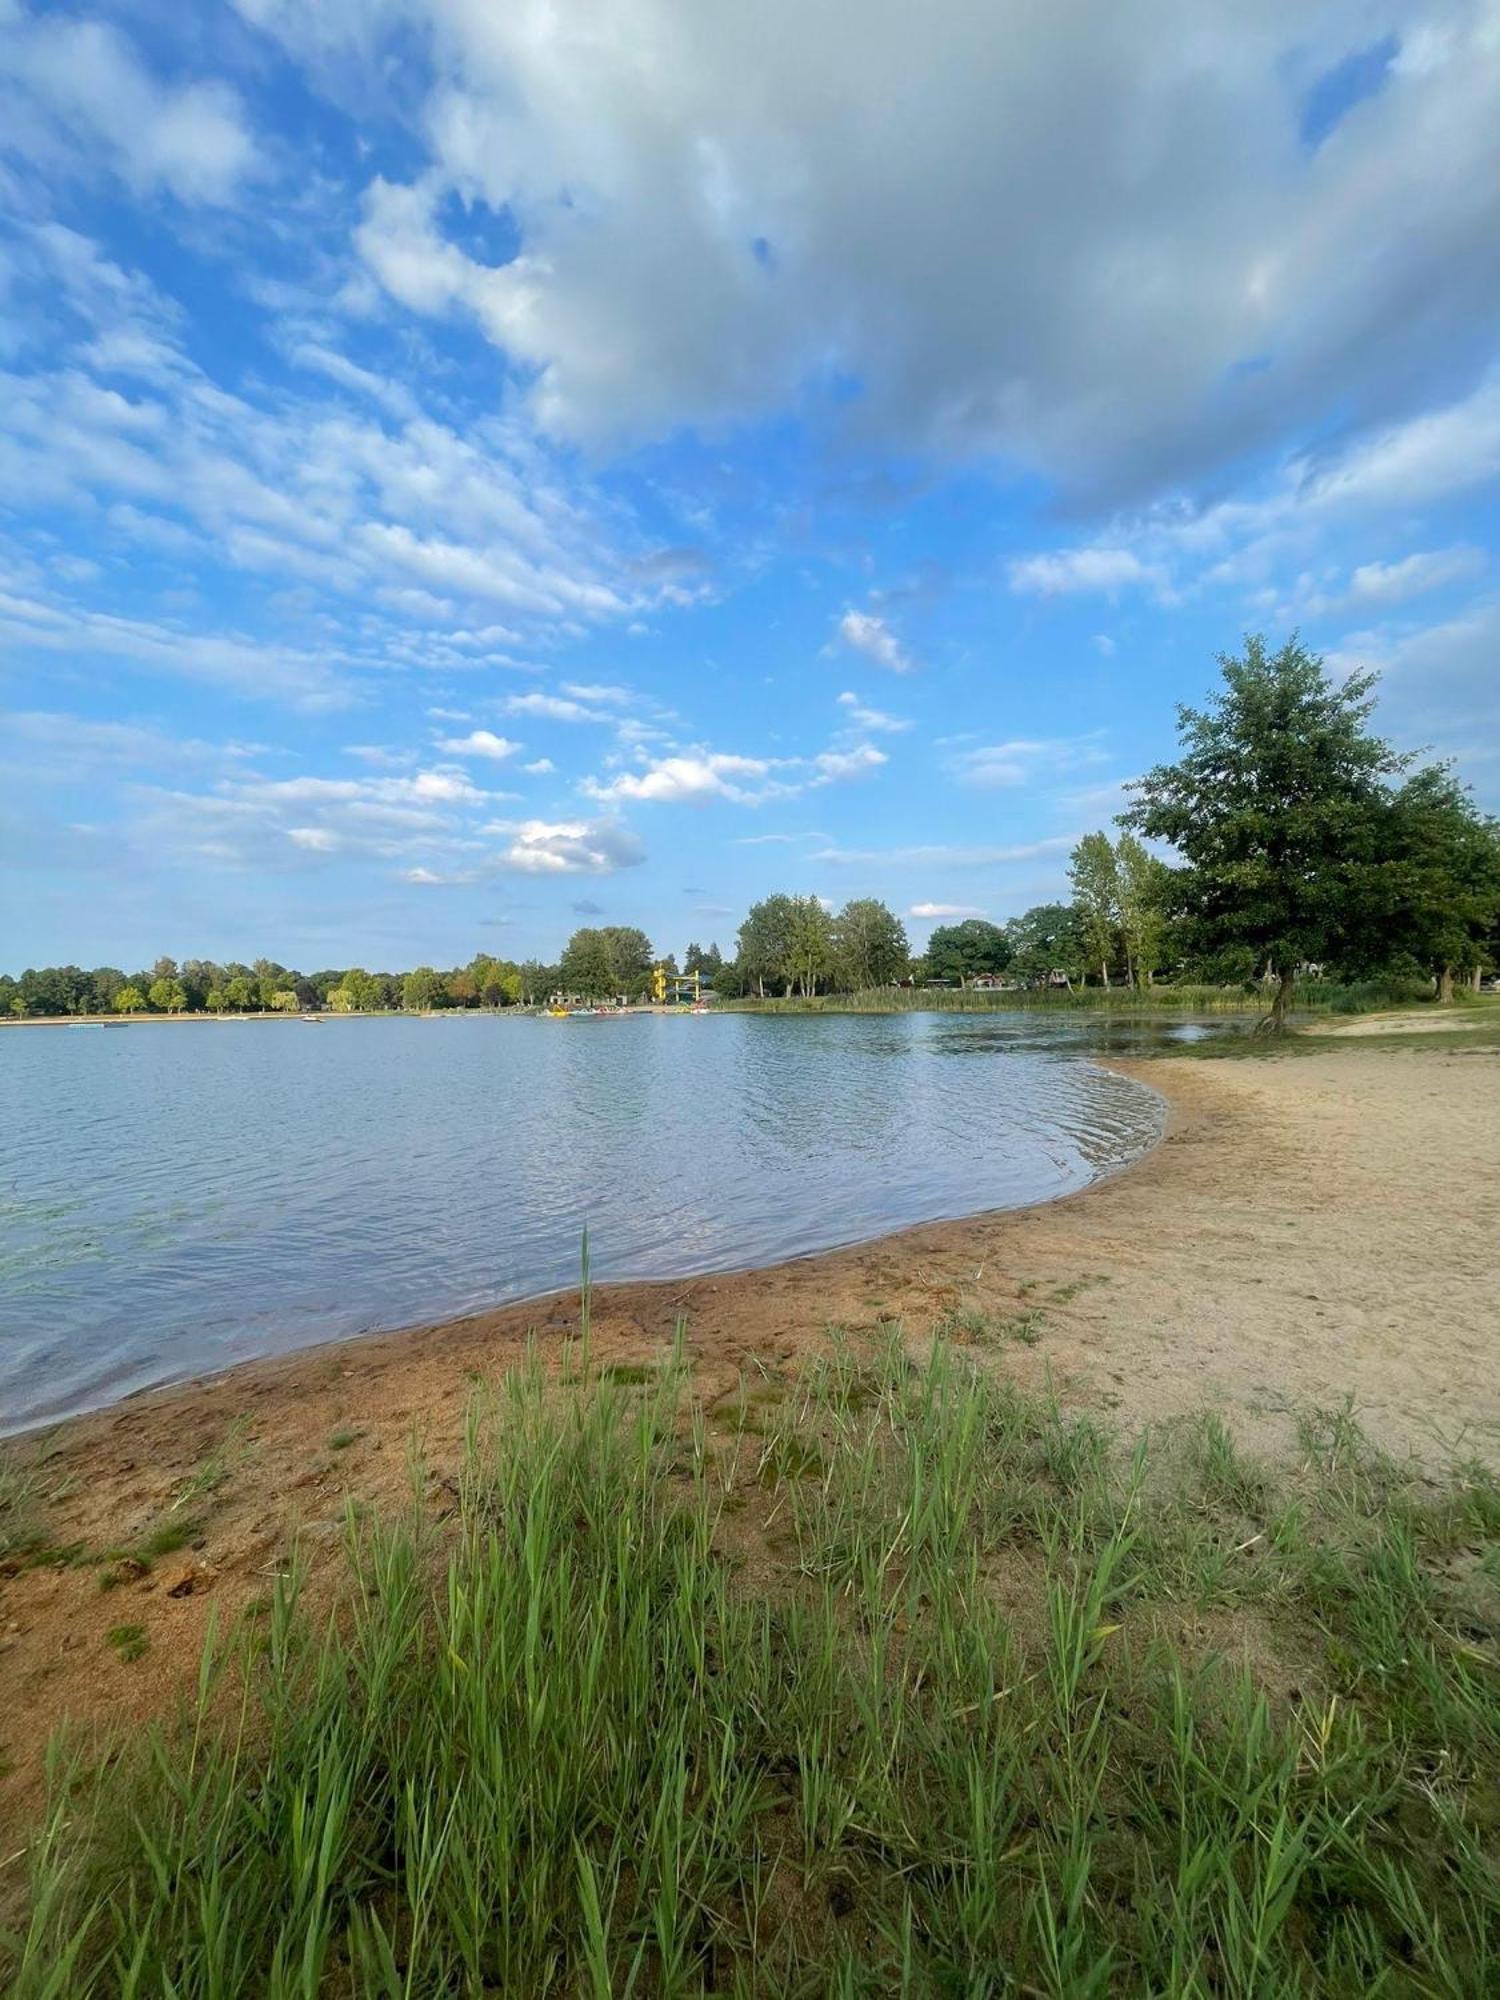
(764,941)
(964,951)
(422,989)
(1444,876)
(810,945)
(1047,939)
(870,944)
(1145,895)
(629,957)
(1275,806)
(1095,879)
(587,968)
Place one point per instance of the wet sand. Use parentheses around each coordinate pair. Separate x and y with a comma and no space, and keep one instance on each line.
(1314,1226)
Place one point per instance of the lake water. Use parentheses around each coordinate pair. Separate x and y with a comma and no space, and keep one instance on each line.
(177,1198)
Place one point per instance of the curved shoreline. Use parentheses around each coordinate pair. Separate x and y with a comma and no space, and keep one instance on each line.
(1311,1226)
(1041,1131)
(550,1309)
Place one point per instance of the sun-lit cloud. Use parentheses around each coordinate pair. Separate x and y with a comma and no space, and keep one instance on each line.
(479,743)
(864,632)
(568,847)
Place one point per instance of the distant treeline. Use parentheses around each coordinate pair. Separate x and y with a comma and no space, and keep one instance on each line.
(1298,842)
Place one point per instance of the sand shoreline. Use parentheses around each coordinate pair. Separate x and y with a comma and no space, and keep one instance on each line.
(1311,1226)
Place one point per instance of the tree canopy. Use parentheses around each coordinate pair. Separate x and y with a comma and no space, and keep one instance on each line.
(1274,807)
(966,950)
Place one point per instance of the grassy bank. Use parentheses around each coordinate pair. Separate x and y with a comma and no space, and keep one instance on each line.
(885,1681)
(1314,997)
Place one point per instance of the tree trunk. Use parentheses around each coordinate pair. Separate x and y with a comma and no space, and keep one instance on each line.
(1445,985)
(1104,972)
(1275,1021)
(1474,979)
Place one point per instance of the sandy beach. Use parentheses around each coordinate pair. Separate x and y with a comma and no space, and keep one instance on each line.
(1316,1225)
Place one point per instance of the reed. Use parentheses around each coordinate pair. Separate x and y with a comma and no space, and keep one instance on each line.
(899,1683)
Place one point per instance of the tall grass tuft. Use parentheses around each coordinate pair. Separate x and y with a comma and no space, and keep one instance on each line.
(912,1685)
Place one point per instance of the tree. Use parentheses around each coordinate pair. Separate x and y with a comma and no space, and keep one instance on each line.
(871,945)
(1145,892)
(764,942)
(809,947)
(1096,897)
(707,964)
(285,1002)
(240,993)
(1275,807)
(587,967)
(1444,878)
(629,958)
(167,995)
(536,980)
(130,1000)
(1046,940)
(964,951)
(216,1000)
(422,989)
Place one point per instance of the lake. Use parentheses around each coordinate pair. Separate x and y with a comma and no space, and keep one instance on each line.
(175,1198)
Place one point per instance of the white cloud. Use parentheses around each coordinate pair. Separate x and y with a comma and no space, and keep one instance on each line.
(540,767)
(873,637)
(871,720)
(833,766)
(552,708)
(304,678)
(72,89)
(1169,277)
(932,910)
(1412,576)
(569,847)
(596,691)
(1085,569)
(479,743)
(990,766)
(694,778)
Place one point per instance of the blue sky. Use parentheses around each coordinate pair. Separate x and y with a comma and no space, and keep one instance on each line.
(467,471)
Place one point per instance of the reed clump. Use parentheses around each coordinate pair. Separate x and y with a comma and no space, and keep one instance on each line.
(913,1686)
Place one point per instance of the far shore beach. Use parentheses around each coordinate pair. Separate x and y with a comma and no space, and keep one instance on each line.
(1317,1225)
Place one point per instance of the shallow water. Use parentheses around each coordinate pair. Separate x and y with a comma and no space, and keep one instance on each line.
(177,1198)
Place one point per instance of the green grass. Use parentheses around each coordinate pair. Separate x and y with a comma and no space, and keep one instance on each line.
(1311,997)
(129,1642)
(918,1688)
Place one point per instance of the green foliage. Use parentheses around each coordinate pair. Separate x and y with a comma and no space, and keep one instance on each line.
(1095,878)
(167,996)
(1047,942)
(1145,891)
(765,939)
(130,1000)
(587,967)
(1276,807)
(965,951)
(1442,892)
(423,990)
(995,1707)
(870,945)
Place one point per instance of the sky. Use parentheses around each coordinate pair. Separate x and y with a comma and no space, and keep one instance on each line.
(471,470)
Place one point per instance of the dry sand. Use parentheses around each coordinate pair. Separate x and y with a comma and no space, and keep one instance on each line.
(1315,1225)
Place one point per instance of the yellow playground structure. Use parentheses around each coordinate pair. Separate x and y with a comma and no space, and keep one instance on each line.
(682,989)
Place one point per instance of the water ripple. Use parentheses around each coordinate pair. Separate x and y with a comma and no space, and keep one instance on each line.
(173,1199)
